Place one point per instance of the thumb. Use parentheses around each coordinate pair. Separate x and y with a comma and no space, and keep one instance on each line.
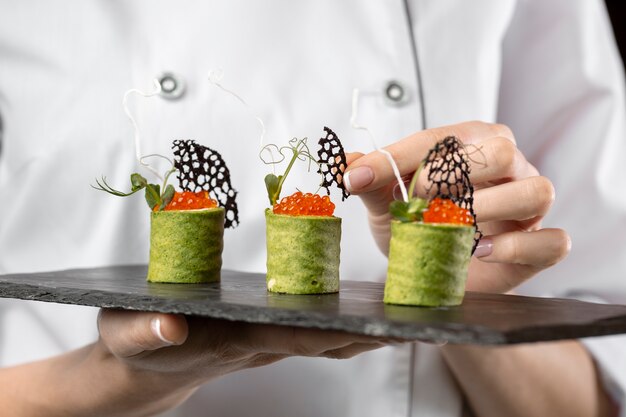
(128,333)
(359,177)
(365,177)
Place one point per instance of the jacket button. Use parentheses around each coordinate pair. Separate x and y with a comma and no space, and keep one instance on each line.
(396,94)
(172,86)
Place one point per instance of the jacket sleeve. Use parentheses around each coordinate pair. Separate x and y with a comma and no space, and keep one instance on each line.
(562,93)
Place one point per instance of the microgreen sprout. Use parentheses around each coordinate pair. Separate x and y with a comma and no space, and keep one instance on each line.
(296,150)
(413,209)
(154,196)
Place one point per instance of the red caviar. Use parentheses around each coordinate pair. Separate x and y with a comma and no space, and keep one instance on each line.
(308,204)
(187,200)
(445,211)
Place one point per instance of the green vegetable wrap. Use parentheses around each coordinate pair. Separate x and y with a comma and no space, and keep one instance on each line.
(186,246)
(302,253)
(428,263)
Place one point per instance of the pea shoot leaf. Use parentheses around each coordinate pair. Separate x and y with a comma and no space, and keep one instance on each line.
(137,182)
(272,185)
(153,195)
(167,196)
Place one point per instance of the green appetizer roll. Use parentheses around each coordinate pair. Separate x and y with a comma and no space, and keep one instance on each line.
(302,253)
(428,263)
(303,236)
(432,240)
(186,246)
(186,226)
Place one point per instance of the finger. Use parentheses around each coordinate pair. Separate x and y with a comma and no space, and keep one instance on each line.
(474,132)
(295,341)
(494,160)
(541,248)
(520,200)
(263,359)
(515,257)
(498,160)
(373,170)
(353,156)
(351,350)
(128,333)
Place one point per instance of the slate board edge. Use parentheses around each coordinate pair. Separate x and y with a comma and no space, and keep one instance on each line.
(450,333)
(609,327)
(358,325)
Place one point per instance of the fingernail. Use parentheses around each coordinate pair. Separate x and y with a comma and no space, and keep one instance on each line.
(155,326)
(484,248)
(358,178)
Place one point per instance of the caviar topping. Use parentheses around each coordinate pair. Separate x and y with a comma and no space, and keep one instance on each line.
(187,200)
(308,204)
(331,164)
(442,210)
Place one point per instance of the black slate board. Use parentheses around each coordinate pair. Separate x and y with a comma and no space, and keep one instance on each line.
(358,308)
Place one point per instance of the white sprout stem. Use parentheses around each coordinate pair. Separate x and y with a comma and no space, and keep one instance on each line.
(137,133)
(392,162)
(273,162)
(214,78)
(396,172)
(156,155)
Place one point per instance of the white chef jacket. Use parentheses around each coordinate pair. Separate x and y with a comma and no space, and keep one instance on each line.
(549,70)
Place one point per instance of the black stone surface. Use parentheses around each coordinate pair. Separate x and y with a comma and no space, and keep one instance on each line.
(358,308)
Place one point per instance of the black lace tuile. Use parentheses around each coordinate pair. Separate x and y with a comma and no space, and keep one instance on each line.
(332,162)
(448,169)
(202,168)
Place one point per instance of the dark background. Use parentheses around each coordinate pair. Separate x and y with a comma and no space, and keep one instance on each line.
(618,19)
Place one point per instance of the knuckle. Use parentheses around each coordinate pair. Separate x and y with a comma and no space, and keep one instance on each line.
(505,154)
(510,248)
(140,336)
(106,335)
(227,353)
(338,354)
(492,129)
(101,320)
(563,245)
(476,124)
(514,248)
(299,349)
(107,317)
(263,359)
(503,131)
(462,130)
(542,191)
(297,346)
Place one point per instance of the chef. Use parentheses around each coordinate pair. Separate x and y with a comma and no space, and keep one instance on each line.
(540,82)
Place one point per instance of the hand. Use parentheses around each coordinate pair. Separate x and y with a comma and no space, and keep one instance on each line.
(146,363)
(511,199)
(168,356)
